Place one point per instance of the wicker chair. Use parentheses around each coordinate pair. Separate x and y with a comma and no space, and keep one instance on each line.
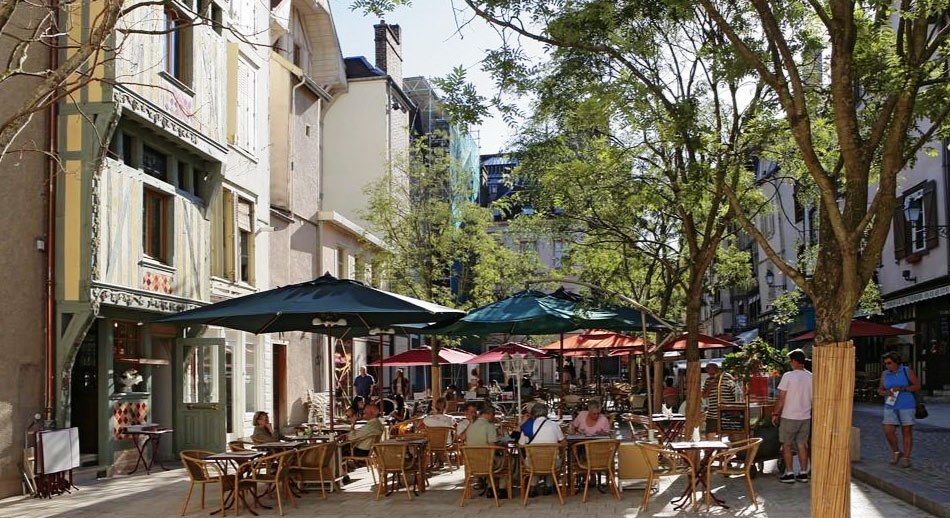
(669,463)
(240,445)
(315,465)
(737,460)
(598,457)
(541,459)
(392,458)
(480,462)
(439,442)
(640,425)
(202,472)
(348,457)
(273,470)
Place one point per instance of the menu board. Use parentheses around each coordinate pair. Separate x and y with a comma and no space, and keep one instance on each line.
(732,418)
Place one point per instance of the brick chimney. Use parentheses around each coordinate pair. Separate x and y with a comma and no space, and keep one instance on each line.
(388,51)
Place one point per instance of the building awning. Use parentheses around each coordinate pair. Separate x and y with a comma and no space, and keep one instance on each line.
(920,296)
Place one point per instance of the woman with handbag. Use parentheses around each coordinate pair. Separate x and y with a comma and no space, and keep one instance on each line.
(898,384)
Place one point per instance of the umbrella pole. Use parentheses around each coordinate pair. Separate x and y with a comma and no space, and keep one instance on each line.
(331,378)
(380,373)
(643,322)
(560,377)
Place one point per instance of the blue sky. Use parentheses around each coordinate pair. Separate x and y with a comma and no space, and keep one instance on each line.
(432,45)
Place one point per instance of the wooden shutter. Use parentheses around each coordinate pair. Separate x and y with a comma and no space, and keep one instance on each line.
(229,234)
(242,102)
(901,230)
(244,215)
(930,214)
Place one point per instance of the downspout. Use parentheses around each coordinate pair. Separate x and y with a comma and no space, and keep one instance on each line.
(53,141)
(293,140)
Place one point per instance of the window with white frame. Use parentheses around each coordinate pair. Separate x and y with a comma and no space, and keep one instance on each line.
(251,373)
(915,219)
(178,48)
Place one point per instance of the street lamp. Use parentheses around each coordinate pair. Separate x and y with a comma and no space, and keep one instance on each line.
(770,280)
(913,212)
(517,365)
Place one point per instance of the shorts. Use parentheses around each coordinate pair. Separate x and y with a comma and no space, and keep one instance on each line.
(899,417)
(711,425)
(794,431)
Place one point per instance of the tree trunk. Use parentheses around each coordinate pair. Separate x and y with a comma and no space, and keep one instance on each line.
(694,412)
(832,404)
(436,384)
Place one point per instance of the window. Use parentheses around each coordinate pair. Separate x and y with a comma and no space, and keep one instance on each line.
(558,252)
(245,219)
(245,127)
(341,272)
(154,225)
(154,162)
(250,373)
(177,46)
(916,236)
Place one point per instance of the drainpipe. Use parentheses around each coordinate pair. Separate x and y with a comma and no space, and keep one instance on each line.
(293,140)
(51,170)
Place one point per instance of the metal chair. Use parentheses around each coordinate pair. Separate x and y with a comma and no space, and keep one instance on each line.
(392,458)
(202,472)
(480,462)
(598,457)
(541,459)
(737,460)
(669,463)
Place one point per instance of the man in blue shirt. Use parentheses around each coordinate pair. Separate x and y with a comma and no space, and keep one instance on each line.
(363,384)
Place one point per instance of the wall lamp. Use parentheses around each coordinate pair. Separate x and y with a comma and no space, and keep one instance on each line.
(770,280)
(906,275)
(912,212)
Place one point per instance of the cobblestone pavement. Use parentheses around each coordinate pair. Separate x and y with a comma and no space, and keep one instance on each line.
(928,480)
(162,493)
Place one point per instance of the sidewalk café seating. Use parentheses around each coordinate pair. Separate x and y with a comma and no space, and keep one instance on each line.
(392,458)
(480,462)
(640,425)
(315,465)
(542,459)
(638,403)
(632,464)
(439,442)
(347,448)
(202,472)
(669,463)
(737,460)
(271,470)
(597,456)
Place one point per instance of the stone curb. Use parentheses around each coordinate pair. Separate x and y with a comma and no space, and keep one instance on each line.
(933,501)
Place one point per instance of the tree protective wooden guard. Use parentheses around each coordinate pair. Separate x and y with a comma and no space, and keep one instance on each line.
(832,402)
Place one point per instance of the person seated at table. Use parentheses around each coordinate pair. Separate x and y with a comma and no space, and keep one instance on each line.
(362,438)
(510,384)
(474,379)
(450,393)
(481,391)
(590,421)
(542,431)
(471,415)
(400,413)
(494,387)
(482,432)
(438,417)
(670,395)
(358,404)
(263,430)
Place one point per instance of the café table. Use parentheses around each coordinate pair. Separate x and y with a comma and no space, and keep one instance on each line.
(705,450)
(669,426)
(153,436)
(234,459)
(278,446)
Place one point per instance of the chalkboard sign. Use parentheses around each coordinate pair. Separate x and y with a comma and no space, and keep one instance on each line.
(732,419)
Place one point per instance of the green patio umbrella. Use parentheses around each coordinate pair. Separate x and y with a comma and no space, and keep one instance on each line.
(528,312)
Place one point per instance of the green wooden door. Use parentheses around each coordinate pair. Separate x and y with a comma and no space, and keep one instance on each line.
(200,394)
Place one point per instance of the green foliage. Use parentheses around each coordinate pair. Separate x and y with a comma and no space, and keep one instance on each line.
(733,267)
(377,8)
(463,105)
(787,306)
(435,234)
(756,358)
(871,302)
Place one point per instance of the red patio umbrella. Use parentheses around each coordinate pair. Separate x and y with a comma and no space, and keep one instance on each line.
(678,343)
(595,339)
(861,328)
(495,354)
(422,356)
